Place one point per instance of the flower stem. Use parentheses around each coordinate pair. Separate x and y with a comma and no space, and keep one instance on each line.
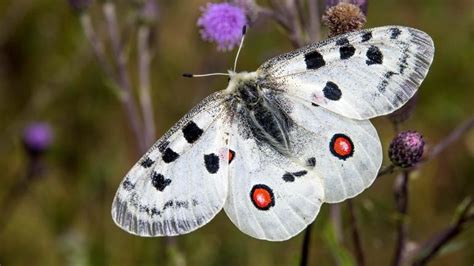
(359,253)
(144,59)
(123,79)
(96,44)
(305,248)
(314,25)
(336,221)
(401,200)
(385,170)
(430,248)
(452,137)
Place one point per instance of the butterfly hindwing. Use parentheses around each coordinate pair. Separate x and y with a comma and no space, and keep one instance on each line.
(181,182)
(345,153)
(360,75)
(270,196)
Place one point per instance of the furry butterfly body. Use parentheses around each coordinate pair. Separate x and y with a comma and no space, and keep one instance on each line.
(278,142)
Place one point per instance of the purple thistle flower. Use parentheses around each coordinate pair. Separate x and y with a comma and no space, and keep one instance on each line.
(222,23)
(37,137)
(406,149)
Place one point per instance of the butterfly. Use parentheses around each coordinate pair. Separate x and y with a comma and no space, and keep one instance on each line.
(279,142)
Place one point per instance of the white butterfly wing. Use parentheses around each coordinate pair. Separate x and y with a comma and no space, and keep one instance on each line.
(360,75)
(180,184)
(260,202)
(346,153)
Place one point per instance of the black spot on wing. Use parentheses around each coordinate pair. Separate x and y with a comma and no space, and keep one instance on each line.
(374,56)
(395,32)
(389,74)
(311,162)
(331,91)
(147,162)
(211,161)
(366,36)
(314,104)
(382,86)
(159,181)
(152,212)
(342,41)
(346,51)
(403,61)
(127,185)
(169,156)
(290,177)
(168,204)
(192,132)
(175,204)
(182,204)
(163,145)
(300,173)
(314,60)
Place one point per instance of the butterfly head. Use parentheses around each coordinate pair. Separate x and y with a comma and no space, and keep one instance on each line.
(240,79)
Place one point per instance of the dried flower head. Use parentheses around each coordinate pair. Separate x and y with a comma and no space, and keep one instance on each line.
(406,149)
(362,4)
(222,23)
(342,18)
(37,137)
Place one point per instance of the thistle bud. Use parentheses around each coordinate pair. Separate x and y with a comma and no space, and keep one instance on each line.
(406,149)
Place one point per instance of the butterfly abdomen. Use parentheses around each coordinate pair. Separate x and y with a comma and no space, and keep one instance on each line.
(263,117)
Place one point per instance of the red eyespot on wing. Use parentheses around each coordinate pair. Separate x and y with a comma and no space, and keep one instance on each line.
(262,197)
(231,155)
(341,146)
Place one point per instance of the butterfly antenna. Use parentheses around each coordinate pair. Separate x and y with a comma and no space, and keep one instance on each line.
(189,75)
(244,30)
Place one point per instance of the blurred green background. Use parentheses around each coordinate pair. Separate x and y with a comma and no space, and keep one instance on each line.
(48,73)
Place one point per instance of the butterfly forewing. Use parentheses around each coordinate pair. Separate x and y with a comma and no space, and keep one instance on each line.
(181,182)
(359,75)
